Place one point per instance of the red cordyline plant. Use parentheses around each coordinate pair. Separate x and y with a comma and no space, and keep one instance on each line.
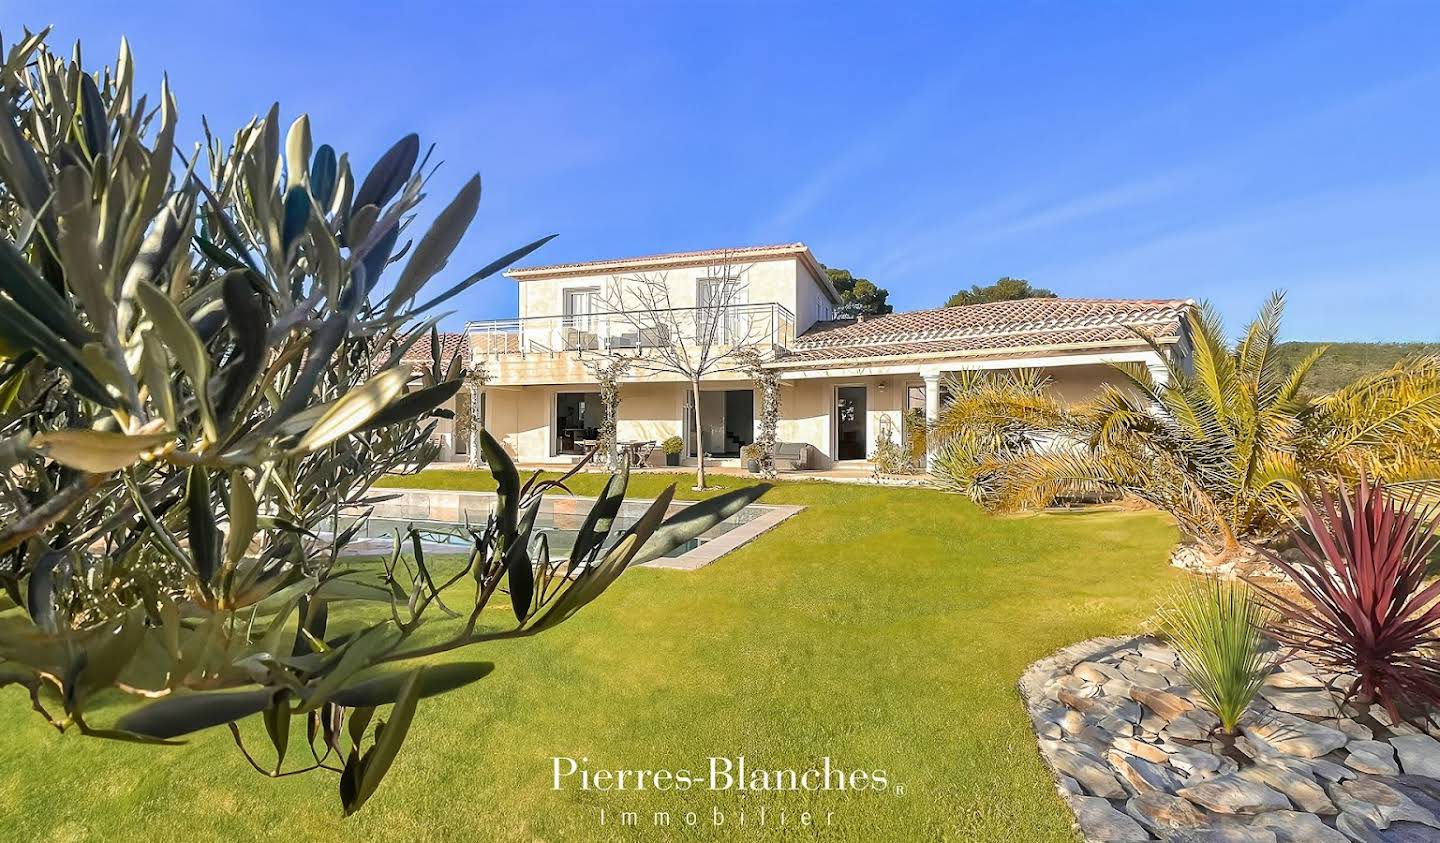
(1370,612)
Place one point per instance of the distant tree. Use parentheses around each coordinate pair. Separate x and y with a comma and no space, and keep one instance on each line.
(1006,289)
(858,295)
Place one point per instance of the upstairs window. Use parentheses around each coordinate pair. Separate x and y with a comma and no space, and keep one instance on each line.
(711,295)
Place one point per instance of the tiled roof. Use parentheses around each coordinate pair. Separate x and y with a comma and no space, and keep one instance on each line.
(1002,327)
(450,345)
(742,252)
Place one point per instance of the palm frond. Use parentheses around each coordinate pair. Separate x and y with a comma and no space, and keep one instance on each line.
(1396,408)
(1035,480)
(1254,358)
(1290,386)
(1214,366)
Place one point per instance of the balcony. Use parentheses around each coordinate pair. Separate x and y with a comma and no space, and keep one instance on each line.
(768,326)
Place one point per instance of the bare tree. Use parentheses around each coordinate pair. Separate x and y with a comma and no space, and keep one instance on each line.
(714,336)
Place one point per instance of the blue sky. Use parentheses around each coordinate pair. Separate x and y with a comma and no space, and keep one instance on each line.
(1100,149)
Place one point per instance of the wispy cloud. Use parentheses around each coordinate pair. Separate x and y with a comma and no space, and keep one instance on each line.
(868,148)
(924,246)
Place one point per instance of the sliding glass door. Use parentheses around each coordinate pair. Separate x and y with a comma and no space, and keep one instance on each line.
(577,422)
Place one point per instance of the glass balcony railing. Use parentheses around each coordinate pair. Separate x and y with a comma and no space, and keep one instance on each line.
(765,327)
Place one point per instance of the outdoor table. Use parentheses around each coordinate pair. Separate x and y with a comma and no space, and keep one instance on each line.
(632,451)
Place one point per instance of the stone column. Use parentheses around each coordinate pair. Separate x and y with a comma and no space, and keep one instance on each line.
(932,413)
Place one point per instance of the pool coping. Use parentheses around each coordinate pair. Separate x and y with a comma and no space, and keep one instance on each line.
(693,560)
(717,547)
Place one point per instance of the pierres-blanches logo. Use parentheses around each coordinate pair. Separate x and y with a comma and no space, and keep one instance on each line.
(719,773)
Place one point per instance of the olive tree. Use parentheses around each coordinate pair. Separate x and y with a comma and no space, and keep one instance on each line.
(201,381)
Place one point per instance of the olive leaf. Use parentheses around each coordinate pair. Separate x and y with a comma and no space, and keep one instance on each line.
(353,409)
(696,519)
(174,716)
(389,173)
(323,176)
(22,283)
(21,331)
(434,249)
(414,404)
(485,272)
(389,736)
(23,170)
(97,451)
(297,152)
(96,129)
(244,515)
(200,518)
(600,518)
(277,726)
(184,344)
(155,374)
(297,217)
(437,679)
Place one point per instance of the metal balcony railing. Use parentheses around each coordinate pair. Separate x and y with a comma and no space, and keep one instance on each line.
(768,325)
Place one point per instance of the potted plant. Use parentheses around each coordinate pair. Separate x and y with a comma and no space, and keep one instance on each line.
(750,455)
(672,448)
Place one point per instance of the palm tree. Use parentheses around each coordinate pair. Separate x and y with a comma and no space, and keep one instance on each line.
(1226,443)
(990,417)
(1385,425)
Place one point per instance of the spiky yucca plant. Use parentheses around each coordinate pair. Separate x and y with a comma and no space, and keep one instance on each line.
(1216,628)
(1367,609)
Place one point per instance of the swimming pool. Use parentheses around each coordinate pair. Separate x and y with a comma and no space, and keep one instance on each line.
(441,519)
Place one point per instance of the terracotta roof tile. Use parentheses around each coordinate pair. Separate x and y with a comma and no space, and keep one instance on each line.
(450,345)
(999,326)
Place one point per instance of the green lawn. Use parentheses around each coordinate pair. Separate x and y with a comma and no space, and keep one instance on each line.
(882,627)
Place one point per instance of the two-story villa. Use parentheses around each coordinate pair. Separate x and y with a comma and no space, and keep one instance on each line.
(841,378)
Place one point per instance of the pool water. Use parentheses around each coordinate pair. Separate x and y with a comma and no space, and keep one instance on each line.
(560,519)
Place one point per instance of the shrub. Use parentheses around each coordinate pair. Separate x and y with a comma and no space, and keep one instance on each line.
(673,445)
(1361,569)
(1216,630)
(200,386)
(1226,445)
(913,435)
(989,419)
(888,456)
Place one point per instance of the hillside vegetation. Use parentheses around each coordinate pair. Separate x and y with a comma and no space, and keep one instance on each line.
(1346,361)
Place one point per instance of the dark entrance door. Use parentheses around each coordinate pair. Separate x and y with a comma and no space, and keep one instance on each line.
(739,419)
(850,423)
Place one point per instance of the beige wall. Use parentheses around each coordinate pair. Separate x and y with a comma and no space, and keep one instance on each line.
(521,417)
(765,281)
(807,410)
(812,303)
(649,411)
(1074,384)
(520,420)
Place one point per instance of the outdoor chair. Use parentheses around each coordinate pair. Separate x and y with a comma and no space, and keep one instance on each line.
(578,340)
(792,456)
(654,336)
